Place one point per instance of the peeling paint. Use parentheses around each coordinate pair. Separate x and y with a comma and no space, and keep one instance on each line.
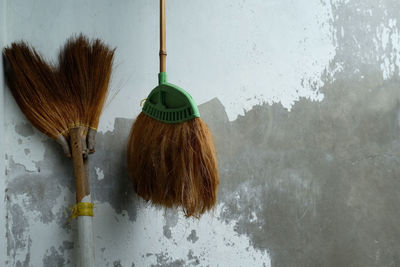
(277,49)
(25,143)
(171,220)
(24,129)
(164,260)
(213,237)
(313,186)
(99,173)
(192,237)
(53,259)
(27,151)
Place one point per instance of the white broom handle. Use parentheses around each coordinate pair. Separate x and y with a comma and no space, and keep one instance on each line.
(81,172)
(85,236)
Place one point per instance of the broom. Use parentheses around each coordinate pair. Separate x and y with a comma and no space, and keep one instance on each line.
(37,90)
(32,83)
(85,68)
(43,94)
(170,155)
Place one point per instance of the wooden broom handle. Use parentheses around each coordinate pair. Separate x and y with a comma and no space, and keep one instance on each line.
(163,49)
(85,223)
(81,179)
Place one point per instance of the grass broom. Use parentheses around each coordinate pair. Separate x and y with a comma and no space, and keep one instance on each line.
(32,83)
(170,155)
(86,69)
(60,111)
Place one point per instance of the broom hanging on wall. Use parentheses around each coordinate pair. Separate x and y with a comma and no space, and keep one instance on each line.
(64,103)
(85,69)
(171,156)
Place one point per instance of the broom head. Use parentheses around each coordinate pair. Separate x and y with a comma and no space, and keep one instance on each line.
(57,98)
(171,154)
(35,87)
(85,66)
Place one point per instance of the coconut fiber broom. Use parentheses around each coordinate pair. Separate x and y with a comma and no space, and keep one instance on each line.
(45,95)
(171,156)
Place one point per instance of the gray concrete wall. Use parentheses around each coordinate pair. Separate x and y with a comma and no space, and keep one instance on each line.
(2,137)
(303,99)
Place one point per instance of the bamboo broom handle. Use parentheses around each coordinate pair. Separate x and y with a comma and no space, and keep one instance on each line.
(85,228)
(163,49)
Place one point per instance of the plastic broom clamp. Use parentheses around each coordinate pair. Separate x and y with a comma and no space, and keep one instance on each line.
(170,103)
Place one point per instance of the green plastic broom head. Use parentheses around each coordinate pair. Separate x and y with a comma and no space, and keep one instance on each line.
(169,103)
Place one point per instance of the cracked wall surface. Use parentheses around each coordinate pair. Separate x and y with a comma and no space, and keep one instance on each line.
(306,122)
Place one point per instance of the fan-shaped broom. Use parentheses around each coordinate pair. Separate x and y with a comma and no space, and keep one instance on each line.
(86,70)
(171,156)
(59,107)
(34,87)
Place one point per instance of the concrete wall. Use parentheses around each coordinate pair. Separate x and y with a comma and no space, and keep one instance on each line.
(303,98)
(3,211)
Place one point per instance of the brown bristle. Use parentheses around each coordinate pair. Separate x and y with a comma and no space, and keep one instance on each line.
(86,67)
(174,164)
(58,98)
(73,71)
(100,73)
(32,83)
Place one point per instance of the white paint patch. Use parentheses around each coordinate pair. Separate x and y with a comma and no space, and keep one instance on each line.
(253,217)
(16,145)
(259,52)
(39,237)
(99,173)
(387,44)
(116,238)
(218,244)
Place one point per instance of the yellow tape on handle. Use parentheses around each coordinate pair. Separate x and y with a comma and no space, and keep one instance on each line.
(82,209)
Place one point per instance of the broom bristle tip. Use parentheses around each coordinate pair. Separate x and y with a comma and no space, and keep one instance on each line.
(174,165)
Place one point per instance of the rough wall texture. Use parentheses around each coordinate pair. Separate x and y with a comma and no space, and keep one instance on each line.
(2,136)
(314,186)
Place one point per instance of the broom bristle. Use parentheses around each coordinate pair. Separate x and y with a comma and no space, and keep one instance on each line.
(57,98)
(174,164)
(73,71)
(86,67)
(33,84)
(101,58)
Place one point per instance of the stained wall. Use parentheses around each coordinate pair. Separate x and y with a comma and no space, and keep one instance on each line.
(303,100)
